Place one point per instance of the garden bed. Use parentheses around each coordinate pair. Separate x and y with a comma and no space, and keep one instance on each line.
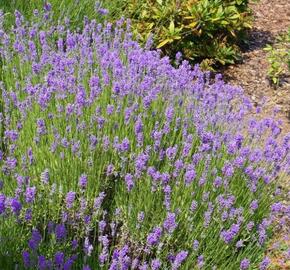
(113,158)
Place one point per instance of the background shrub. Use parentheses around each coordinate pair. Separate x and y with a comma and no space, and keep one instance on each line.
(200,29)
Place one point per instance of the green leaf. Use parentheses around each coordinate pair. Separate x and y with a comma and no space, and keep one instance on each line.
(164,42)
(220,11)
(216,19)
(247,25)
(235,16)
(224,22)
(192,25)
(171,28)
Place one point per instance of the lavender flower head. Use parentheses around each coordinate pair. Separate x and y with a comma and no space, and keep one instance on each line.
(179,259)
(83,181)
(155,264)
(70,197)
(35,239)
(60,232)
(154,237)
(245,264)
(30,194)
(170,223)
(264,263)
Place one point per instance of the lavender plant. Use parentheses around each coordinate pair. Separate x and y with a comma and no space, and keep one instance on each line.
(76,10)
(111,158)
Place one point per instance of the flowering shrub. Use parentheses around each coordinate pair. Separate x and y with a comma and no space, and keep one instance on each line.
(111,158)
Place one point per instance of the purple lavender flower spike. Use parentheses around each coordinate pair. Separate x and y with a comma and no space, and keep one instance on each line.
(170,223)
(59,259)
(60,232)
(189,176)
(154,237)
(30,194)
(70,198)
(179,259)
(129,181)
(2,203)
(83,181)
(26,259)
(155,264)
(88,248)
(245,264)
(16,206)
(264,263)
(35,239)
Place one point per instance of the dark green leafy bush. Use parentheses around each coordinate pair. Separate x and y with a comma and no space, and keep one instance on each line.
(200,29)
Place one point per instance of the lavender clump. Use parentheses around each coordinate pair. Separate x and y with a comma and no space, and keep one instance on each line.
(112,157)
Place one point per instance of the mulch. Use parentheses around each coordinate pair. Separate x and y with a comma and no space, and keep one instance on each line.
(271,18)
